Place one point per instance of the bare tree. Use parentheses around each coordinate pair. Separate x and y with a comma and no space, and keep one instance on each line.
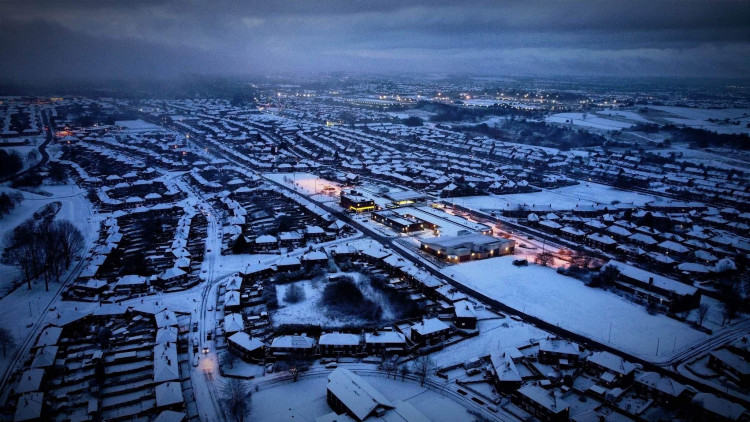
(43,246)
(422,367)
(6,340)
(545,258)
(702,312)
(404,372)
(236,397)
(580,259)
(389,365)
(70,240)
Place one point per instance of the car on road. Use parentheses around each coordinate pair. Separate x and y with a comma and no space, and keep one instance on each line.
(332,365)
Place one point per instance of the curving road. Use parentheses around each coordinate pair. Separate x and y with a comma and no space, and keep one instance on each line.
(42,150)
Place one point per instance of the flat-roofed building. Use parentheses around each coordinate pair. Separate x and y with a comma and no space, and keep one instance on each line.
(467,247)
(353,201)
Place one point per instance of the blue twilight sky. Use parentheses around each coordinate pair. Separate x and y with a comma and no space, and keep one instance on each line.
(111,39)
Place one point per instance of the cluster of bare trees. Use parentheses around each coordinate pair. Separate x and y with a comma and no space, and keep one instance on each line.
(43,246)
(236,398)
(422,367)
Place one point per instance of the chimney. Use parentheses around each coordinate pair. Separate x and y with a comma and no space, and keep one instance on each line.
(651,281)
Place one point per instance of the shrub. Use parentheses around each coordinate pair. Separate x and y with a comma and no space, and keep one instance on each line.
(294,294)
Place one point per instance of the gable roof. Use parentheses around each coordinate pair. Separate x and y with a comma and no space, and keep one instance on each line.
(355,393)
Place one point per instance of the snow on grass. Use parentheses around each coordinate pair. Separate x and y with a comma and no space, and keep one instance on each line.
(565,198)
(310,311)
(587,120)
(138,125)
(307,184)
(74,208)
(629,115)
(542,292)
(698,118)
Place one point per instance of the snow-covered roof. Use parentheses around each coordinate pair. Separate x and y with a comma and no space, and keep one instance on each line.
(233,323)
(558,345)
(339,339)
(30,380)
(168,393)
(293,342)
(45,357)
(611,362)
(166,363)
(170,416)
(165,318)
(429,326)
(49,336)
(166,335)
(661,383)
(464,309)
(232,298)
(644,276)
(266,238)
(504,367)
(719,406)
(359,397)
(244,340)
(385,337)
(288,261)
(315,256)
(29,407)
(549,399)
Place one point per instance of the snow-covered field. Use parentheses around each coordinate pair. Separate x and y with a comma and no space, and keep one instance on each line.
(138,125)
(698,118)
(565,198)
(542,292)
(309,310)
(307,184)
(305,400)
(629,115)
(588,120)
(74,208)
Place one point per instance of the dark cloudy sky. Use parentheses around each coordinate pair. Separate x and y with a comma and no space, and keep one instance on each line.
(106,39)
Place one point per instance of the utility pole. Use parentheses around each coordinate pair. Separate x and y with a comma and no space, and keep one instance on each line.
(609,338)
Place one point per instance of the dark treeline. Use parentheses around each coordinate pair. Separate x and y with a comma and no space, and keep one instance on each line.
(10,162)
(698,138)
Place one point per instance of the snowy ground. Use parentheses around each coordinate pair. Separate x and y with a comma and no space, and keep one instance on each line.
(305,400)
(309,310)
(588,120)
(565,198)
(308,184)
(138,125)
(21,308)
(542,292)
(74,208)
(698,118)
(628,115)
